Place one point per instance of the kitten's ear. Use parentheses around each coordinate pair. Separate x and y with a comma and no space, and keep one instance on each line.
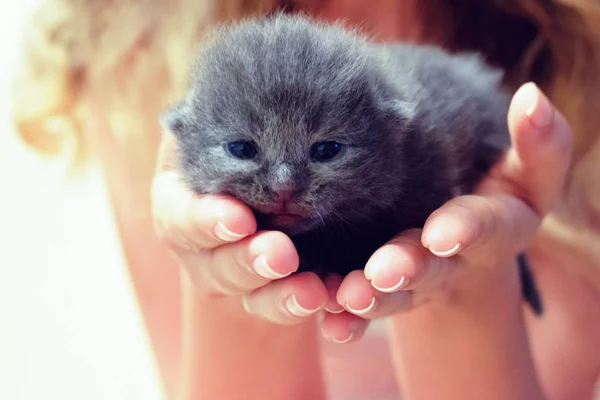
(174,119)
(403,111)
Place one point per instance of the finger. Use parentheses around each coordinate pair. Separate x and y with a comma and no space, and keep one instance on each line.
(241,267)
(405,264)
(332,284)
(343,327)
(288,301)
(391,276)
(167,153)
(358,296)
(525,185)
(542,145)
(480,226)
(186,220)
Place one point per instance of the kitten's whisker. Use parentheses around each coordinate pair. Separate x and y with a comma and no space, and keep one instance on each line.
(342,220)
(320,216)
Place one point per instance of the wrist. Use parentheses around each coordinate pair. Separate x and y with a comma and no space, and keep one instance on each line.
(231,354)
(476,331)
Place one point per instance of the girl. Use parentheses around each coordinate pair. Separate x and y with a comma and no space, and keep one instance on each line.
(110,68)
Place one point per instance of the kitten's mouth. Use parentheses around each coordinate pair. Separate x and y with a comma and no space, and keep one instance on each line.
(283,219)
(286,222)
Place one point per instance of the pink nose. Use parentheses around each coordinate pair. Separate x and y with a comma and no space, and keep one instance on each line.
(284,195)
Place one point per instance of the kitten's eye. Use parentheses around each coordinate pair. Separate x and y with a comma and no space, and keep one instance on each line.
(325,151)
(242,150)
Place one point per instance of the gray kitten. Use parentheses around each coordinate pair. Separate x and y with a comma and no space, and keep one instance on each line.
(334,140)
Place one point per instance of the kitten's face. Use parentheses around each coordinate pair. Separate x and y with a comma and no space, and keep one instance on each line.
(294,175)
(304,141)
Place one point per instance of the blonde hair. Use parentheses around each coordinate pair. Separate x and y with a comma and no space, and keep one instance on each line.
(113,46)
(73,44)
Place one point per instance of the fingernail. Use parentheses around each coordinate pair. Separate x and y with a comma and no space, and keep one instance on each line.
(349,338)
(375,265)
(245,304)
(225,234)
(446,253)
(364,311)
(403,281)
(262,268)
(332,311)
(383,267)
(296,309)
(539,111)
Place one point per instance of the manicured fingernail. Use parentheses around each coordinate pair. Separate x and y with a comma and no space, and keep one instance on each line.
(403,281)
(334,311)
(446,253)
(262,268)
(384,268)
(245,304)
(349,338)
(225,234)
(372,306)
(539,111)
(375,265)
(296,309)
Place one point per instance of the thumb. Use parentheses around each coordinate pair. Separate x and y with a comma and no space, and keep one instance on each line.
(503,214)
(542,143)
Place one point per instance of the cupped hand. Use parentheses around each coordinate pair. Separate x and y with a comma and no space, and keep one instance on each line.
(215,240)
(469,235)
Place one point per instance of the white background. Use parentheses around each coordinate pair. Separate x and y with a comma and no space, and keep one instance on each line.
(69,324)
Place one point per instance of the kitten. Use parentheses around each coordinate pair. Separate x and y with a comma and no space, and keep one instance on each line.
(334,140)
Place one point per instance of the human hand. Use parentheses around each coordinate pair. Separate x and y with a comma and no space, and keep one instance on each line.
(215,240)
(468,238)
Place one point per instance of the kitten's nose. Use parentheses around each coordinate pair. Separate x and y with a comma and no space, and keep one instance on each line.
(284,195)
(283,185)
(284,190)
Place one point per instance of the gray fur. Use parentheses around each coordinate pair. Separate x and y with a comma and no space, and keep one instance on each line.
(416,124)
